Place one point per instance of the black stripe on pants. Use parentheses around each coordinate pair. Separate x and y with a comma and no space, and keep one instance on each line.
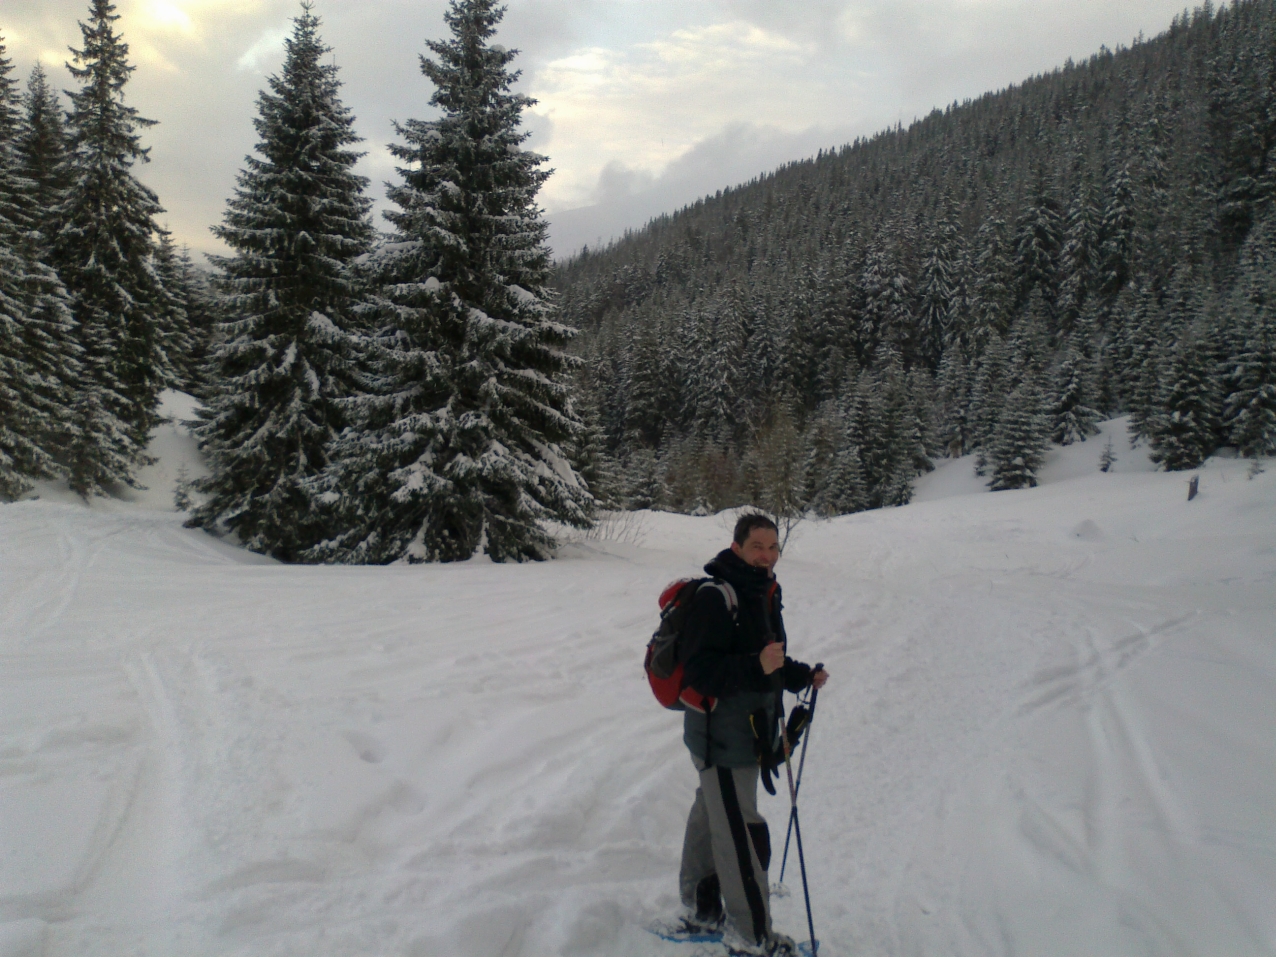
(740,838)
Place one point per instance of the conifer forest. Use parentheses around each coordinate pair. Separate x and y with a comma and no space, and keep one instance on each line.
(998,276)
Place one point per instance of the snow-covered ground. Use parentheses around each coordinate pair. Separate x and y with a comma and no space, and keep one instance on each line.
(1050,730)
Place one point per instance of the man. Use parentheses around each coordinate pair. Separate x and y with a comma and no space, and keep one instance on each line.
(738,659)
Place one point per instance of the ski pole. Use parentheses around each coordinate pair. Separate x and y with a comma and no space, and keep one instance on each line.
(810,716)
(797,830)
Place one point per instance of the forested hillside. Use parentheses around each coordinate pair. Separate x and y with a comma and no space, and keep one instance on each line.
(997,276)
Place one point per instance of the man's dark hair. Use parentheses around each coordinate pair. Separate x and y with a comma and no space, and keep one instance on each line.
(747,523)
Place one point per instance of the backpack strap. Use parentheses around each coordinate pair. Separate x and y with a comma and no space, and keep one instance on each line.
(733,606)
(728,595)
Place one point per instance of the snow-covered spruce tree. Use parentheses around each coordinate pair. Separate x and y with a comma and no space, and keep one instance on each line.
(646,386)
(590,458)
(1096,350)
(1249,406)
(1019,443)
(643,487)
(941,289)
(888,422)
(774,468)
(1071,418)
(1118,233)
(1107,458)
(103,252)
(1079,256)
(297,219)
(38,349)
(953,400)
(992,382)
(1039,233)
(714,386)
(462,448)
(194,290)
(1184,432)
(992,304)
(886,316)
(844,487)
(52,346)
(178,343)
(22,421)
(1144,357)
(834,474)
(42,152)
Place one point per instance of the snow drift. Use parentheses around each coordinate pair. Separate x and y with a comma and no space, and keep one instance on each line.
(1050,729)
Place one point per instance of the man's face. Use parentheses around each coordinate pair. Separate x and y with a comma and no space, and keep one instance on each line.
(761,549)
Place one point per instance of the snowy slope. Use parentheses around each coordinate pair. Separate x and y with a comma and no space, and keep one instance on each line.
(1051,729)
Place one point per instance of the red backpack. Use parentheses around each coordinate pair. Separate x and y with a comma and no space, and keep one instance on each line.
(663,663)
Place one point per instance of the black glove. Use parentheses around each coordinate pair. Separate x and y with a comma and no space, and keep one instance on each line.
(798,719)
(764,748)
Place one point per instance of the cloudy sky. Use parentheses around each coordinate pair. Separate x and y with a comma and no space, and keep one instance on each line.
(644,105)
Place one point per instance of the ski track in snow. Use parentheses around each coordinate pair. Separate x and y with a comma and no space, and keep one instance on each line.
(1051,729)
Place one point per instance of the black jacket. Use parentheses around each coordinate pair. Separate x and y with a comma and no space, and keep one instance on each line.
(720,659)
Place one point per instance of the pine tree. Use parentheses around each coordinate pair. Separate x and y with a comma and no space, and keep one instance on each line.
(297,219)
(1019,444)
(178,343)
(760,362)
(37,345)
(22,426)
(845,488)
(646,385)
(993,300)
(890,430)
(641,480)
(1145,357)
(52,348)
(103,253)
(1095,349)
(992,382)
(834,474)
(715,387)
(801,353)
(953,398)
(194,291)
(774,473)
(590,459)
(1079,257)
(1244,130)
(1039,237)
(462,449)
(10,122)
(42,152)
(940,287)
(1184,433)
(1107,458)
(887,317)
(1071,418)
(1249,411)
(1118,234)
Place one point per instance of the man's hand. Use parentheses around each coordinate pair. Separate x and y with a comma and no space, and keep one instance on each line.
(772,657)
(818,679)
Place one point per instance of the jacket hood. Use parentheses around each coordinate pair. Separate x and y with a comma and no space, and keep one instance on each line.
(730,567)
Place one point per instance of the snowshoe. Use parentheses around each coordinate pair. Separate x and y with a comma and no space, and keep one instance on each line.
(689,928)
(777,945)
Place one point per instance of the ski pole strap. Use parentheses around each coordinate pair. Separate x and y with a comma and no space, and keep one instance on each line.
(815,693)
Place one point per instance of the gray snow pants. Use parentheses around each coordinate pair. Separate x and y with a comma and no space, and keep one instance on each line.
(726,836)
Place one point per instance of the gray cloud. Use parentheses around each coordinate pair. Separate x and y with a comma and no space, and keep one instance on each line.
(646,104)
(626,198)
